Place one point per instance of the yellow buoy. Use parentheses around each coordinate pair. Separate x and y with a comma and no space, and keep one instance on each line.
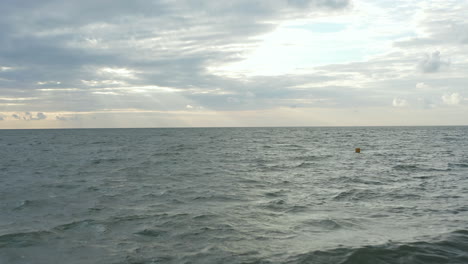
(358,150)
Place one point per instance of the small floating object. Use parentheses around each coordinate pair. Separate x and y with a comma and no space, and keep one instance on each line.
(357,150)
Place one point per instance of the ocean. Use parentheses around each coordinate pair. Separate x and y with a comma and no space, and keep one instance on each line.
(234,195)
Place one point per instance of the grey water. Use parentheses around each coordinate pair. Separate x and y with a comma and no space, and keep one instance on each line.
(234,195)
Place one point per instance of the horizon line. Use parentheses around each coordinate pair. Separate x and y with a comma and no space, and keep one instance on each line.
(199,127)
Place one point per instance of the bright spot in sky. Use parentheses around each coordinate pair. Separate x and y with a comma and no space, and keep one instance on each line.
(297,46)
(118,72)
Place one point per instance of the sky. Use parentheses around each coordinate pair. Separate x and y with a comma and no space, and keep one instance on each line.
(201,63)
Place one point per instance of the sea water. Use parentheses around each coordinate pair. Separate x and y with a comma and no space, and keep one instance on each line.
(234,195)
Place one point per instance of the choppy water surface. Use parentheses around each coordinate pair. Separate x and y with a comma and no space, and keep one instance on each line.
(234,195)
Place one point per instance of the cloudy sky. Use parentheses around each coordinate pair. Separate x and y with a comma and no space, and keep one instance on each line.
(171,63)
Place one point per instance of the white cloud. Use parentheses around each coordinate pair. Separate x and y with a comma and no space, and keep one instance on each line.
(123,73)
(58,89)
(452,99)
(4,68)
(48,82)
(66,117)
(422,86)
(106,93)
(17,98)
(399,102)
(95,83)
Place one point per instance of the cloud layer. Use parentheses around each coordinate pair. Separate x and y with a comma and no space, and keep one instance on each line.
(176,60)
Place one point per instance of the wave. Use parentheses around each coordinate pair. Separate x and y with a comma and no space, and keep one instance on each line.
(87,224)
(447,249)
(451,248)
(458,165)
(152,232)
(305,165)
(312,157)
(106,160)
(356,195)
(285,166)
(26,239)
(218,198)
(290,147)
(275,193)
(24,204)
(415,168)
(325,225)
(275,205)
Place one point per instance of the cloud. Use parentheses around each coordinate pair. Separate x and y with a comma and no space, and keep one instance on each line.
(165,43)
(439,24)
(422,86)
(452,99)
(28,116)
(40,116)
(66,118)
(432,62)
(48,83)
(334,4)
(168,55)
(399,102)
(4,68)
